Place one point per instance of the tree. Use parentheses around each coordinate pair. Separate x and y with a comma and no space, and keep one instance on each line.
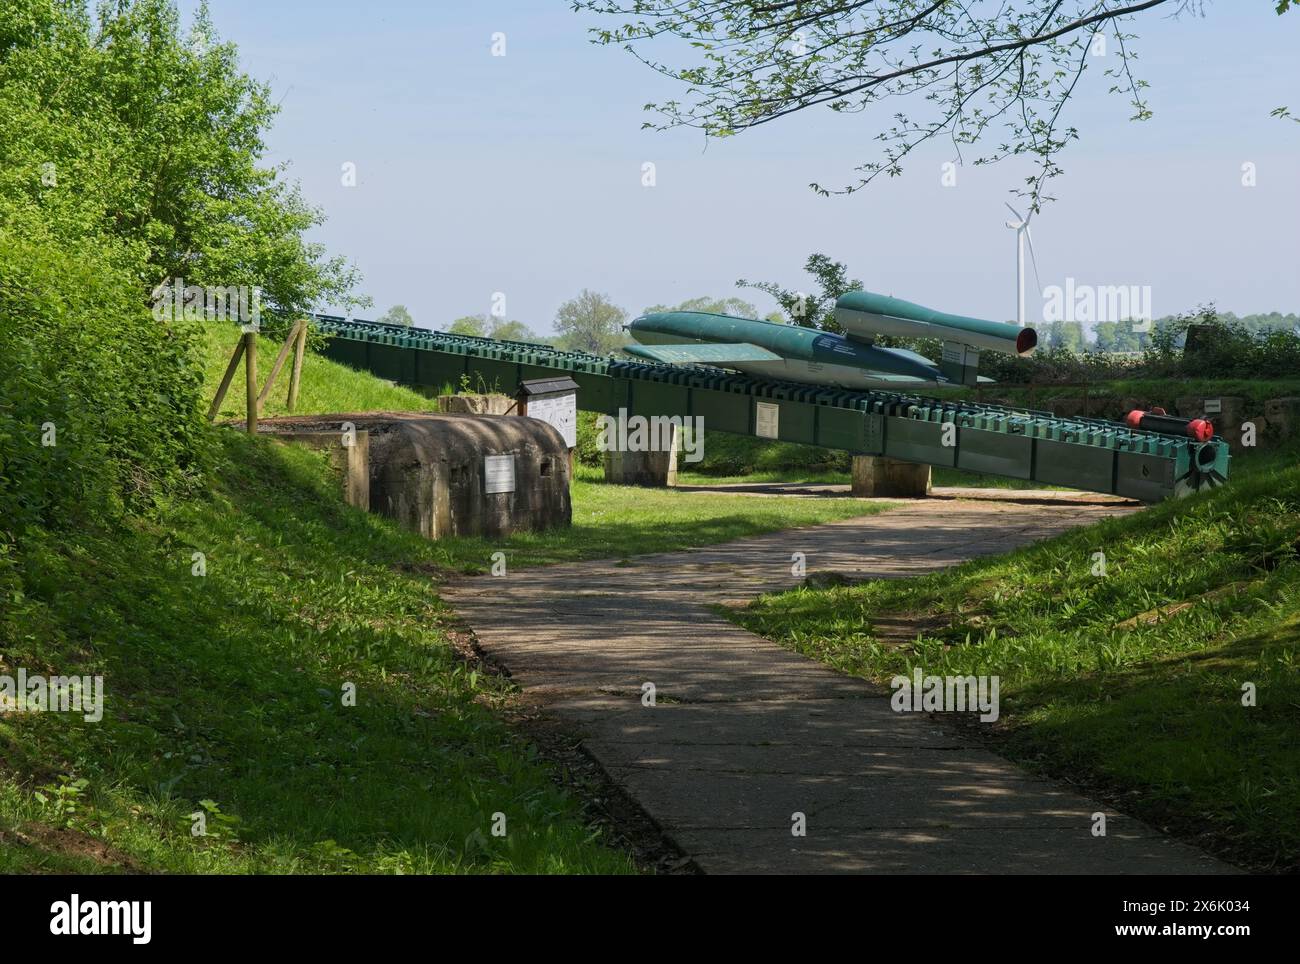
(131,153)
(997,72)
(1118,336)
(483,326)
(815,310)
(475,325)
(511,331)
(397,315)
(123,126)
(590,323)
(1068,335)
(737,307)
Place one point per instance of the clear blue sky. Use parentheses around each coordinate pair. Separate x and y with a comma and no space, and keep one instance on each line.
(522,174)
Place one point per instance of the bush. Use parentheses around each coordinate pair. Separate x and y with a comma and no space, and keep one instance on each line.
(99,403)
(1221,349)
(1058,365)
(131,155)
(588,448)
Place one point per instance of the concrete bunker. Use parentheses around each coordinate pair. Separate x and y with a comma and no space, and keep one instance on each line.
(453,475)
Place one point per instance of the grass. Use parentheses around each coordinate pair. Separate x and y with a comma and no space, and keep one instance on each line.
(939,476)
(229,687)
(1147,710)
(766,477)
(618,521)
(609,521)
(974,480)
(326,386)
(743,456)
(225,692)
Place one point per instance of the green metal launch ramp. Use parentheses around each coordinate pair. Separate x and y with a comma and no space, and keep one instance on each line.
(1079,453)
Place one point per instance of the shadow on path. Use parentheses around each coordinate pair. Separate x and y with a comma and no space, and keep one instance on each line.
(747,741)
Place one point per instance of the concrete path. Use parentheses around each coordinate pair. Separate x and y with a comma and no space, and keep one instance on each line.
(745,733)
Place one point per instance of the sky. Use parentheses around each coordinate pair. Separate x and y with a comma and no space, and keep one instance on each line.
(521,175)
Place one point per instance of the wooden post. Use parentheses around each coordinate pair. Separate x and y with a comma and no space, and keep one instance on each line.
(279,363)
(250,380)
(226,380)
(295,373)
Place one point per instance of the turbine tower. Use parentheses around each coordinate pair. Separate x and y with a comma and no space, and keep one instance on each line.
(1021,226)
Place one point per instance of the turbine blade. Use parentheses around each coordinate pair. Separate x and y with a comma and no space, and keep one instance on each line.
(1033,260)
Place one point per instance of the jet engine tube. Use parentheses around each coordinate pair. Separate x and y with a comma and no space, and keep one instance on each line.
(863,314)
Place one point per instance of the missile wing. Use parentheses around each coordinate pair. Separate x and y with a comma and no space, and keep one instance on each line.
(780,352)
(703,354)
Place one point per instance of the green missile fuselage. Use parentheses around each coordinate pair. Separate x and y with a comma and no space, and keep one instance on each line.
(868,314)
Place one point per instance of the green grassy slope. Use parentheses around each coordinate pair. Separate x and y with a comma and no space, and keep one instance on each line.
(1096,686)
(229,687)
(326,386)
(225,691)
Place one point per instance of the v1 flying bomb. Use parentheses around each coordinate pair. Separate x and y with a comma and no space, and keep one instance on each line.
(793,353)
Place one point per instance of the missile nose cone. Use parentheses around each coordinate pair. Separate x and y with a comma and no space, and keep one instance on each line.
(1026,340)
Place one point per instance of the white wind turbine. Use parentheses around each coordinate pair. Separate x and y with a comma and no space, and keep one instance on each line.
(1021,226)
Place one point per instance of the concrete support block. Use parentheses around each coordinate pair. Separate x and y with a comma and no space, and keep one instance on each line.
(1282,416)
(475,404)
(352,461)
(1231,408)
(875,476)
(656,469)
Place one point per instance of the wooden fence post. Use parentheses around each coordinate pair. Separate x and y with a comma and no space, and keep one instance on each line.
(279,364)
(295,373)
(250,379)
(226,379)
